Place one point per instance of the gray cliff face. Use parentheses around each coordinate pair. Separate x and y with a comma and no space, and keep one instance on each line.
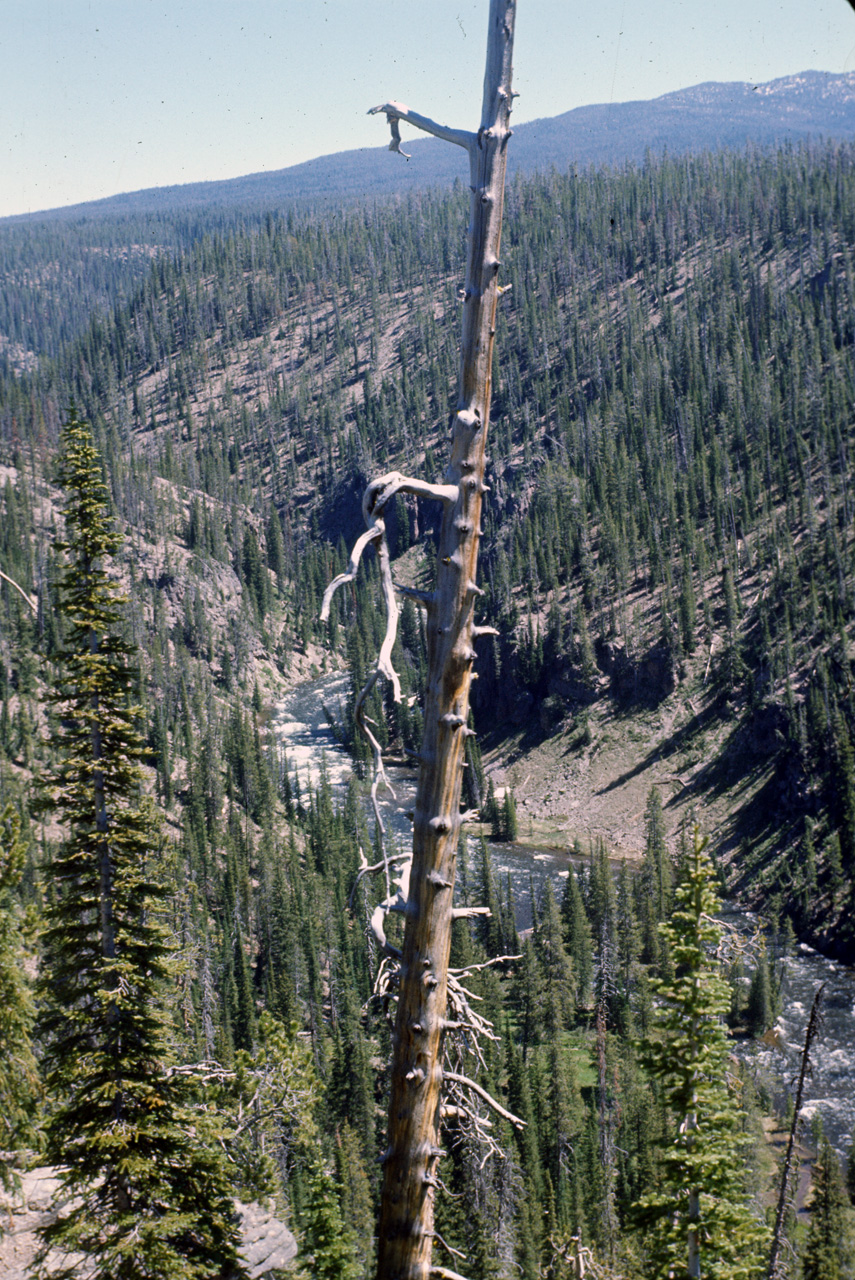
(267,1247)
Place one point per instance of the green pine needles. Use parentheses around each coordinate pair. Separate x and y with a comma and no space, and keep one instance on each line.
(698,1220)
(143,1197)
(19,1082)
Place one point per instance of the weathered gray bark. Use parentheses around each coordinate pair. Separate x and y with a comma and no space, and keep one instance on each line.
(406,1218)
(410,1164)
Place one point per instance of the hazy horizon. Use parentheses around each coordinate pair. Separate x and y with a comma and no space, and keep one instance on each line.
(100,99)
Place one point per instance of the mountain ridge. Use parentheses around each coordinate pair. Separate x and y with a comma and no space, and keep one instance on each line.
(705,116)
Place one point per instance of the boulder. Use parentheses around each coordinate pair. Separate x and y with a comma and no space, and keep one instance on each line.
(267,1246)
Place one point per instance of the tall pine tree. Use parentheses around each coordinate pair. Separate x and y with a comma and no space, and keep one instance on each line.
(143,1198)
(828,1248)
(697,1218)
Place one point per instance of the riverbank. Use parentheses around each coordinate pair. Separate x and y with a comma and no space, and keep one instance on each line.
(299,720)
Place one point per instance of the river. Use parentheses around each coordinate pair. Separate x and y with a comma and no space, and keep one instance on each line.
(301,726)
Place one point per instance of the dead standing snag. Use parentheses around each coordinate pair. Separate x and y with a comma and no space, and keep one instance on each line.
(406,1230)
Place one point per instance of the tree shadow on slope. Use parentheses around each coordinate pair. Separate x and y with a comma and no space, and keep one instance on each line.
(751,771)
(678,742)
(642,682)
(755,774)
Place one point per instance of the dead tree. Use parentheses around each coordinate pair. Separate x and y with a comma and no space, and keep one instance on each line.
(776,1269)
(31,601)
(406,1228)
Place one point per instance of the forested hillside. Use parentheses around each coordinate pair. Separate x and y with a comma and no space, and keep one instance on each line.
(670,452)
(669,560)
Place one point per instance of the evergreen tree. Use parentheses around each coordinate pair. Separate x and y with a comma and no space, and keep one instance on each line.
(493,813)
(141,1196)
(688,609)
(697,1218)
(558,987)
(331,1245)
(276,547)
(510,822)
(356,1204)
(18,1073)
(758,1014)
(577,935)
(825,1250)
(490,930)
(844,762)
(655,883)
(528,993)
(627,943)
(657,862)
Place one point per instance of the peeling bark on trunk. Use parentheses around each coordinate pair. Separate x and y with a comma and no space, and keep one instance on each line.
(410,1172)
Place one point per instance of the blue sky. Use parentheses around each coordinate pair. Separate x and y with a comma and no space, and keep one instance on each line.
(104,96)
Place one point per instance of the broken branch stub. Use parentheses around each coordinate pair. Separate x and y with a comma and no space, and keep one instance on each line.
(396,111)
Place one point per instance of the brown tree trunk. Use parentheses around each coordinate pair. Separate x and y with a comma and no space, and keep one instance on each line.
(407,1211)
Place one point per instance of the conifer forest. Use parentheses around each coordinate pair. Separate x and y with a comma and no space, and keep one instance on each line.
(197,1003)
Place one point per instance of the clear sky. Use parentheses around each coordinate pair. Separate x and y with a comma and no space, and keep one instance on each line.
(99,97)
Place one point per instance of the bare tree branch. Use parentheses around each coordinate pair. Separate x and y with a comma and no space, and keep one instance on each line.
(374,500)
(455,1253)
(487,964)
(349,575)
(394,483)
(487,1097)
(394,902)
(396,111)
(365,870)
(377,495)
(31,600)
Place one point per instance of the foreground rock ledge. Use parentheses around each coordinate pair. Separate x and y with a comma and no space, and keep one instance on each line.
(267,1246)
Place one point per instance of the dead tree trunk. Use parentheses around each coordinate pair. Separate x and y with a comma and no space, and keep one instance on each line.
(406,1218)
(413,1152)
(775,1269)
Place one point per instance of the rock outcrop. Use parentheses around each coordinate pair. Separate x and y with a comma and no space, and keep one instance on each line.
(267,1246)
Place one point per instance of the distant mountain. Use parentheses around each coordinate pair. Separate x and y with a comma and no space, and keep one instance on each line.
(705,117)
